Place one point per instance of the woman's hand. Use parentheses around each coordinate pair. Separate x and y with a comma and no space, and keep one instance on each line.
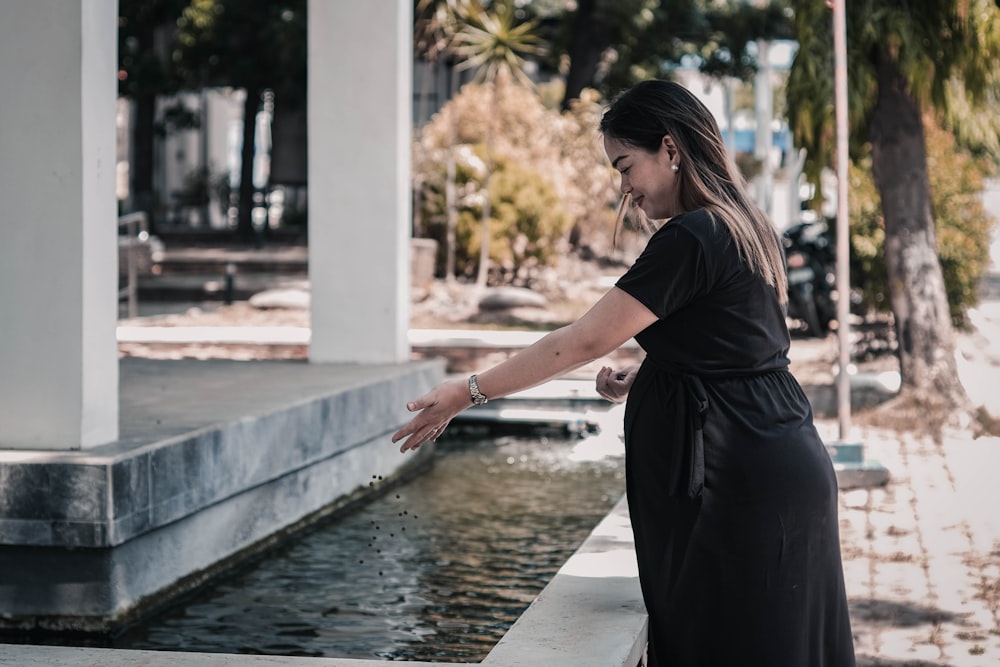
(436,408)
(614,385)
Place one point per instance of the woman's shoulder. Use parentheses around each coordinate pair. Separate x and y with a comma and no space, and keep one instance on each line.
(699,224)
(699,221)
(701,231)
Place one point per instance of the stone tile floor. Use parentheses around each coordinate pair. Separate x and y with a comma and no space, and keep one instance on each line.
(922,554)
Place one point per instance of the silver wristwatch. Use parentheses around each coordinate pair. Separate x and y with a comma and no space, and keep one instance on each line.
(478,398)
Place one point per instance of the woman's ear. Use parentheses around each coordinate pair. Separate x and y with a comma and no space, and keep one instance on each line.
(667,144)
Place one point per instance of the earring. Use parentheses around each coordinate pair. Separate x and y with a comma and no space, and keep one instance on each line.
(674,167)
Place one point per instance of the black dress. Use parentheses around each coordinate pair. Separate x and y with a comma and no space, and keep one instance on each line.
(732,494)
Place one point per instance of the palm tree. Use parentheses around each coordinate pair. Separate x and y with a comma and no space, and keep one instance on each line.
(495,45)
(902,65)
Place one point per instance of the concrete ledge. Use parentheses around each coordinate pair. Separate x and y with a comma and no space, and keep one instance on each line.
(867,390)
(864,475)
(61,656)
(216,460)
(591,613)
(97,590)
(151,477)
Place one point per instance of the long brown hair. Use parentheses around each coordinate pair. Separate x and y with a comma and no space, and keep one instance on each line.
(709,179)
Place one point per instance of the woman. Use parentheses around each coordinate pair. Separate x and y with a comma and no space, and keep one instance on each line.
(732,495)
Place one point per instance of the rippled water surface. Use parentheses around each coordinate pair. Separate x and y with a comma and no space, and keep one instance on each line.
(437,569)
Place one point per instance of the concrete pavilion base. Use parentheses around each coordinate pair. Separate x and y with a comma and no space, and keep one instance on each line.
(216,461)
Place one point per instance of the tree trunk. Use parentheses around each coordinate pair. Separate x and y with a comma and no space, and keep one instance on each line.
(925,337)
(427,77)
(484,241)
(450,205)
(588,43)
(245,229)
(143,136)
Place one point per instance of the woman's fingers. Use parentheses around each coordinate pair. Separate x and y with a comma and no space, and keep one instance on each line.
(614,385)
(420,403)
(434,412)
(422,427)
(409,431)
(418,435)
(603,382)
(413,438)
(440,429)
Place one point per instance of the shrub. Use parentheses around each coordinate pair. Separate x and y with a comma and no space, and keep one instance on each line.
(963,226)
(528,220)
(867,227)
(557,158)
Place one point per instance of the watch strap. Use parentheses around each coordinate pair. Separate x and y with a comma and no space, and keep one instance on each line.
(478,397)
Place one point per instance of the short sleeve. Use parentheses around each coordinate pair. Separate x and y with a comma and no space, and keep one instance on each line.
(671,272)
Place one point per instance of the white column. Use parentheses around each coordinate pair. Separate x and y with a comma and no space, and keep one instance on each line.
(58,254)
(359,179)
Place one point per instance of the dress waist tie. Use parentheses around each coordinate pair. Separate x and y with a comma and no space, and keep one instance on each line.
(687,471)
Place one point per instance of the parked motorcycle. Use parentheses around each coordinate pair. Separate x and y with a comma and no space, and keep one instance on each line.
(810,262)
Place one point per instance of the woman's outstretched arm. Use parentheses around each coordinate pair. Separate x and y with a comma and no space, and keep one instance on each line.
(609,323)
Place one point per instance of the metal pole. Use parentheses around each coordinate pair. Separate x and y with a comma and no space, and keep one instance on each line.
(133,270)
(843,231)
(230,283)
(763,138)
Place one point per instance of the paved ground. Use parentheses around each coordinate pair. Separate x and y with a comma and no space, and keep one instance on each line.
(922,554)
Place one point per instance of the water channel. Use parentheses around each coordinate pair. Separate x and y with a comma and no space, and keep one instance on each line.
(437,569)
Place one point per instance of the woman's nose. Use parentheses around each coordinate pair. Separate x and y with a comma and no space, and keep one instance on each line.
(625,187)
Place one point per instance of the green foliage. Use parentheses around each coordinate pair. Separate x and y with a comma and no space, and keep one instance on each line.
(733,26)
(646,39)
(251,44)
(435,23)
(867,262)
(142,69)
(527,219)
(962,226)
(947,54)
(495,42)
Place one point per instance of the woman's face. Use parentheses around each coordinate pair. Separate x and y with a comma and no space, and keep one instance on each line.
(649,176)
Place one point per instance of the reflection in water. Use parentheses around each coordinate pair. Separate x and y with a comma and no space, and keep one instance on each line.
(435,570)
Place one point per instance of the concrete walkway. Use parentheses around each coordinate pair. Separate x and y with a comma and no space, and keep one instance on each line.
(922,554)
